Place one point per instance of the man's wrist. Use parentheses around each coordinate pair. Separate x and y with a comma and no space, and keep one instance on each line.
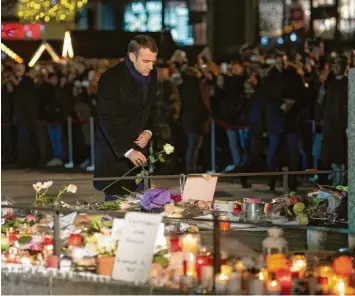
(128,153)
(148,131)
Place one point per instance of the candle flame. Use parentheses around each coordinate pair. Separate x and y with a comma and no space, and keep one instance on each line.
(223,277)
(340,287)
(25,260)
(191,257)
(273,283)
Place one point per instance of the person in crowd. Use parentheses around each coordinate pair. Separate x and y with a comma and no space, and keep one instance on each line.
(8,83)
(25,116)
(193,115)
(230,112)
(55,118)
(168,114)
(334,148)
(284,88)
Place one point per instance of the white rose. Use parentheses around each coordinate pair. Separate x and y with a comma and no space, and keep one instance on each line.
(37,187)
(72,188)
(47,184)
(168,149)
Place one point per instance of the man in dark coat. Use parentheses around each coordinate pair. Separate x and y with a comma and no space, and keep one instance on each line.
(126,106)
(284,89)
(334,150)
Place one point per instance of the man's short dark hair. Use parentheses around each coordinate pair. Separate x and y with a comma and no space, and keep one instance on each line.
(142,41)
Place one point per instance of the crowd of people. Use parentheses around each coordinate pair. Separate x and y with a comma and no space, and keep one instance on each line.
(271,109)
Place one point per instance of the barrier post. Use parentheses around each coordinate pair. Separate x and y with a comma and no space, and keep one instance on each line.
(213,146)
(91,167)
(351,149)
(285,179)
(70,164)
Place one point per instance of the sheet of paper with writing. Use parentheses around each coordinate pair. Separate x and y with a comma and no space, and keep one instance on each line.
(118,225)
(135,249)
(200,188)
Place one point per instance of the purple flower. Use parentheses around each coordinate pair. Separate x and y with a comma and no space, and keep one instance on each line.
(155,198)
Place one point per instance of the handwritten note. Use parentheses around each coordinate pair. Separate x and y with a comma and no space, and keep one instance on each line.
(118,225)
(200,188)
(135,249)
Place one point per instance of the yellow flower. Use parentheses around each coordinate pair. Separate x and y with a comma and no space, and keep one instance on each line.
(47,184)
(72,188)
(168,149)
(37,187)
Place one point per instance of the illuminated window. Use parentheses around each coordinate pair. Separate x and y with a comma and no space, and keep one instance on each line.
(325,28)
(318,3)
(271,17)
(143,16)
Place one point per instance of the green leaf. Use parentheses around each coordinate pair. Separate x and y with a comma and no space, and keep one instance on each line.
(151,149)
(145,173)
(24,240)
(138,181)
(161,158)
(96,223)
(315,201)
(152,159)
(289,213)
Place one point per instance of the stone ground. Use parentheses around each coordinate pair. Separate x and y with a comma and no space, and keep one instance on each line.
(17,184)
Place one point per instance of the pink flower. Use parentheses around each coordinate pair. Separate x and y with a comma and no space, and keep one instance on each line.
(30,218)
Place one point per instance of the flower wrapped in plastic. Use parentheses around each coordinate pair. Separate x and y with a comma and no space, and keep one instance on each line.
(155,198)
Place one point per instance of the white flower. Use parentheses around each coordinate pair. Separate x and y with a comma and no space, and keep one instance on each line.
(72,188)
(37,187)
(47,184)
(125,205)
(106,243)
(168,149)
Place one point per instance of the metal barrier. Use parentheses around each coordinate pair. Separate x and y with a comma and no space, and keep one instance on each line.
(70,164)
(91,168)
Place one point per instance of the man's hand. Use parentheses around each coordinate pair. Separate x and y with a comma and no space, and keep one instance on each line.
(137,158)
(143,139)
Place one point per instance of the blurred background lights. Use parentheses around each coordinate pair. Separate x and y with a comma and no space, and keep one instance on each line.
(264,40)
(293,37)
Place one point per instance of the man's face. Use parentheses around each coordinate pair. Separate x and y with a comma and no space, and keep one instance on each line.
(237,69)
(145,60)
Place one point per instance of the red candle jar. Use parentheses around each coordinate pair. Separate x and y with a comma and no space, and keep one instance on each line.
(201,261)
(284,277)
(48,240)
(12,236)
(175,244)
(52,261)
(75,240)
(224,224)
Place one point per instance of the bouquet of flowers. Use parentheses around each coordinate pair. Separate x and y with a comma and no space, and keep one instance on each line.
(43,198)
